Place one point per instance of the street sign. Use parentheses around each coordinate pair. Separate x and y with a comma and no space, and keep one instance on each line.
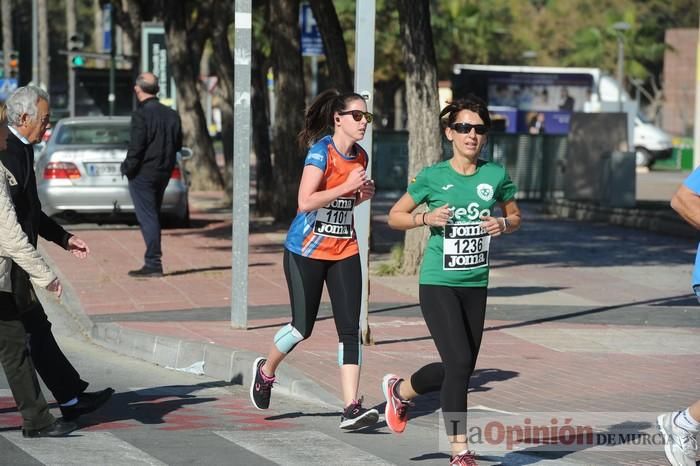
(311,40)
(107,27)
(154,58)
(7,86)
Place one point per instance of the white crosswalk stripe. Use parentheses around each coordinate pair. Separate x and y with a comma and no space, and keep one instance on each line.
(293,448)
(83,448)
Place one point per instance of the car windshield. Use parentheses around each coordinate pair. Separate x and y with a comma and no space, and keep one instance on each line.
(93,134)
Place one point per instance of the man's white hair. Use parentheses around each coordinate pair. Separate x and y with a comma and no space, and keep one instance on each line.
(24,100)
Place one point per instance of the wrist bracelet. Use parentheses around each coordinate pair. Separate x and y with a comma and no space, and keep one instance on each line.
(413,217)
(424,219)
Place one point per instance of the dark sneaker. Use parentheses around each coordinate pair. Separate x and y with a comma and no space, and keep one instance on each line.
(356,417)
(260,386)
(146,272)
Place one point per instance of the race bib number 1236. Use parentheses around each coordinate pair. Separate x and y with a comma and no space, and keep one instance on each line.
(465,246)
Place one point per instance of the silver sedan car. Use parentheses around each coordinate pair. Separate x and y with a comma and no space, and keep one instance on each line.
(78,173)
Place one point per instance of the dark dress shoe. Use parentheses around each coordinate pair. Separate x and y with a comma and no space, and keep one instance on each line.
(59,428)
(146,272)
(87,403)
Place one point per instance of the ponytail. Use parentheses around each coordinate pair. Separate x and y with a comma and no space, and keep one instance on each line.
(318,120)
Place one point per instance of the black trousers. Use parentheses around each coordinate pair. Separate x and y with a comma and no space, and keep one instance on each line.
(53,367)
(343,279)
(147,195)
(455,318)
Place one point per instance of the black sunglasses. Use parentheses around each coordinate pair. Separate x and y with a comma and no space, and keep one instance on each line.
(358,114)
(466,128)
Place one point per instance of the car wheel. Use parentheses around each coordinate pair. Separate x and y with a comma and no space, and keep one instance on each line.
(643,157)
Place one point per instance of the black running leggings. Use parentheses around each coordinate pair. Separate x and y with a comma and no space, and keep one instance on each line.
(343,278)
(455,319)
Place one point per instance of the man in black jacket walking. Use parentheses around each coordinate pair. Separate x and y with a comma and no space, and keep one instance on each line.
(156,137)
(28,118)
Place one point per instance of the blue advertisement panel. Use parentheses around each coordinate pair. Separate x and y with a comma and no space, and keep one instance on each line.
(535,103)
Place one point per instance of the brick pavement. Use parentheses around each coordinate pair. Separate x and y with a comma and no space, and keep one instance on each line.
(548,366)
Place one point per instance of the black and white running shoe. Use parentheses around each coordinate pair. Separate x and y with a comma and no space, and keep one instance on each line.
(260,386)
(356,417)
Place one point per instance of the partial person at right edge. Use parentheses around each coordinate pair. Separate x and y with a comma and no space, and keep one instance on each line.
(156,138)
(28,118)
(680,428)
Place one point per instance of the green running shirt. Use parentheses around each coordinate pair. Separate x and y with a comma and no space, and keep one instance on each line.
(457,255)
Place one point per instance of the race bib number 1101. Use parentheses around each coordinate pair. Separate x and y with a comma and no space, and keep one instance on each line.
(465,247)
(335,220)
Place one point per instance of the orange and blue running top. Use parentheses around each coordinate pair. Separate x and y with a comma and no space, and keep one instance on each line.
(329,232)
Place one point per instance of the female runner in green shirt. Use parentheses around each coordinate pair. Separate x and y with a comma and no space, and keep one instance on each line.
(460,194)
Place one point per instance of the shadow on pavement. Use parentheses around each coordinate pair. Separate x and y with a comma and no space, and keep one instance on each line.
(511,291)
(556,448)
(145,406)
(597,310)
(429,403)
(203,269)
(298,414)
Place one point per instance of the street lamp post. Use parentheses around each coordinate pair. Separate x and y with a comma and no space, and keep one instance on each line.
(620,28)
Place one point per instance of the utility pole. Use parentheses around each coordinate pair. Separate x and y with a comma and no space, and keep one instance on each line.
(35,42)
(242,55)
(620,29)
(364,85)
(70,35)
(112,60)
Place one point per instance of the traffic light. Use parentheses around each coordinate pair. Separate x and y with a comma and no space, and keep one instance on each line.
(78,61)
(75,45)
(14,64)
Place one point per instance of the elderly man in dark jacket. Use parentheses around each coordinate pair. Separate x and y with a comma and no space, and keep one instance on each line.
(28,118)
(156,137)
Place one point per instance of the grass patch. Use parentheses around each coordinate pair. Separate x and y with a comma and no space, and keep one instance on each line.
(392,266)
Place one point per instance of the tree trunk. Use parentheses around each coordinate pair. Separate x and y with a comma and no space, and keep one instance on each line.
(289,109)
(43,19)
(7,44)
(424,143)
(223,63)
(264,181)
(97,32)
(339,73)
(129,14)
(205,172)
